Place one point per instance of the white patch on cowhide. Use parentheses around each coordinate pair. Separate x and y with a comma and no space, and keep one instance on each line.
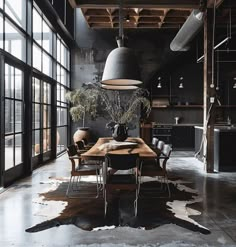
(48,209)
(180,209)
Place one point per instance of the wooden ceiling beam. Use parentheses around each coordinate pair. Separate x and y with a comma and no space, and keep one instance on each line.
(136,3)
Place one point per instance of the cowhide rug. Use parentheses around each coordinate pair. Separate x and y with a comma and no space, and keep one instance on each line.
(88,214)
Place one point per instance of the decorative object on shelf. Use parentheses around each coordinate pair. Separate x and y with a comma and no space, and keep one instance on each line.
(121,67)
(234,85)
(159,82)
(84,101)
(177,120)
(181,82)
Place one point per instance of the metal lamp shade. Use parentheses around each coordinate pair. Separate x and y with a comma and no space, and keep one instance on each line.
(117,87)
(121,68)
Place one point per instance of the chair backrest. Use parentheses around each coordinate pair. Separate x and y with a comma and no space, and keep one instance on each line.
(85,141)
(72,150)
(154,141)
(160,145)
(166,150)
(80,145)
(122,161)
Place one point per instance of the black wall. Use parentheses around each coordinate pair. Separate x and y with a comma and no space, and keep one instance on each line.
(155,58)
(88,59)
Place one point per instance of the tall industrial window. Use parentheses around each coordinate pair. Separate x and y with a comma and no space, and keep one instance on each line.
(63,83)
(13,99)
(14,26)
(43,43)
(41,104)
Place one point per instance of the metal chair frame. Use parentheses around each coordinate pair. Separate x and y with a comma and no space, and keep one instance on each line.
(160,171)
(118,162)
(77,172)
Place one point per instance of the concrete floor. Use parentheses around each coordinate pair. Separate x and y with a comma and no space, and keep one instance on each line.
(218,207)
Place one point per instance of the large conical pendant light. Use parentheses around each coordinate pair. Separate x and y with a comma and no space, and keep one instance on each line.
(121,70)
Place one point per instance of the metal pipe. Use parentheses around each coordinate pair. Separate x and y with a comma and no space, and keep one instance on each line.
(215,47)
(187,32)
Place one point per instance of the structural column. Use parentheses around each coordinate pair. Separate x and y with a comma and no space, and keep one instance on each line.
(208,92)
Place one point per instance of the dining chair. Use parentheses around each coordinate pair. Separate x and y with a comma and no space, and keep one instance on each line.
(79,169)
(156,169)
(160,145)
(80,147)
(154,142)
(87,145)
(128,164)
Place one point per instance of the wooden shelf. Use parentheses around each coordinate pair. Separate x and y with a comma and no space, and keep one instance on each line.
(226,106)
(177,106)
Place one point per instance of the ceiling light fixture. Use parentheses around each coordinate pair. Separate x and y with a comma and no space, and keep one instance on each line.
(121,67)
(159,82)
(181,83)
(234,85)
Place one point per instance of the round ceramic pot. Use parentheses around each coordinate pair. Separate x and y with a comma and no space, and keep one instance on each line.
(120,132)
(81,133)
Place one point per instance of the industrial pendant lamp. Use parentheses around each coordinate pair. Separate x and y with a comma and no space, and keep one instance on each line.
(121,71)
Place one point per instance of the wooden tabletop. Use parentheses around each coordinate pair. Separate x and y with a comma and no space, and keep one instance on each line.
(98,151)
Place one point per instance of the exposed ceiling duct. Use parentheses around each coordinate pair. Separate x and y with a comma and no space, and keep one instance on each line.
(188,31)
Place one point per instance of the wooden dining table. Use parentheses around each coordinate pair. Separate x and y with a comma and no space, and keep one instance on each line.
(130,146)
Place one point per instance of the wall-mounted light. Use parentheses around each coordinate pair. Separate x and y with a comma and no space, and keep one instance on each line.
(181,82)
(127,18)
(159,82)
(234,85)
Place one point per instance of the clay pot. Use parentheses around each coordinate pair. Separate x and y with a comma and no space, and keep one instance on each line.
(81,133)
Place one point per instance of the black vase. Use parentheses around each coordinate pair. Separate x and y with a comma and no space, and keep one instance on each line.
(120,132)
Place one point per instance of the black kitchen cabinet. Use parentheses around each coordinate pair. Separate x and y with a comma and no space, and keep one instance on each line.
(183,137)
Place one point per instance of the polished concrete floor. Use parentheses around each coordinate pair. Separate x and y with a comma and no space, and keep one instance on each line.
(217,207)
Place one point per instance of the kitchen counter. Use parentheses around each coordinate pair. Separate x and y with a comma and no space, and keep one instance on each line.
(224,139)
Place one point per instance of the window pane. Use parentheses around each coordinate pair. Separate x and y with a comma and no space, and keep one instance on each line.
(36,88)
(47,38)
(9,81)
(36,142)
(37,27)
(36,116)
(9,116)
(58,50)
(1,31)
(58,73)
(37,57)
(9,156)
(58,93)
(46,116)
(46,140)
(63,76)
(18,116)
(47,65)
(63,116)
(68,60)
(63,55)
(46,93)
(18,149)
(63,91)
(18,84)
(61,139)
(16,9)
(67,79)
(14,42)
(1,4)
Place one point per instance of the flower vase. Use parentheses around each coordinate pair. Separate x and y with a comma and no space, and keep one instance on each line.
(120,132)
